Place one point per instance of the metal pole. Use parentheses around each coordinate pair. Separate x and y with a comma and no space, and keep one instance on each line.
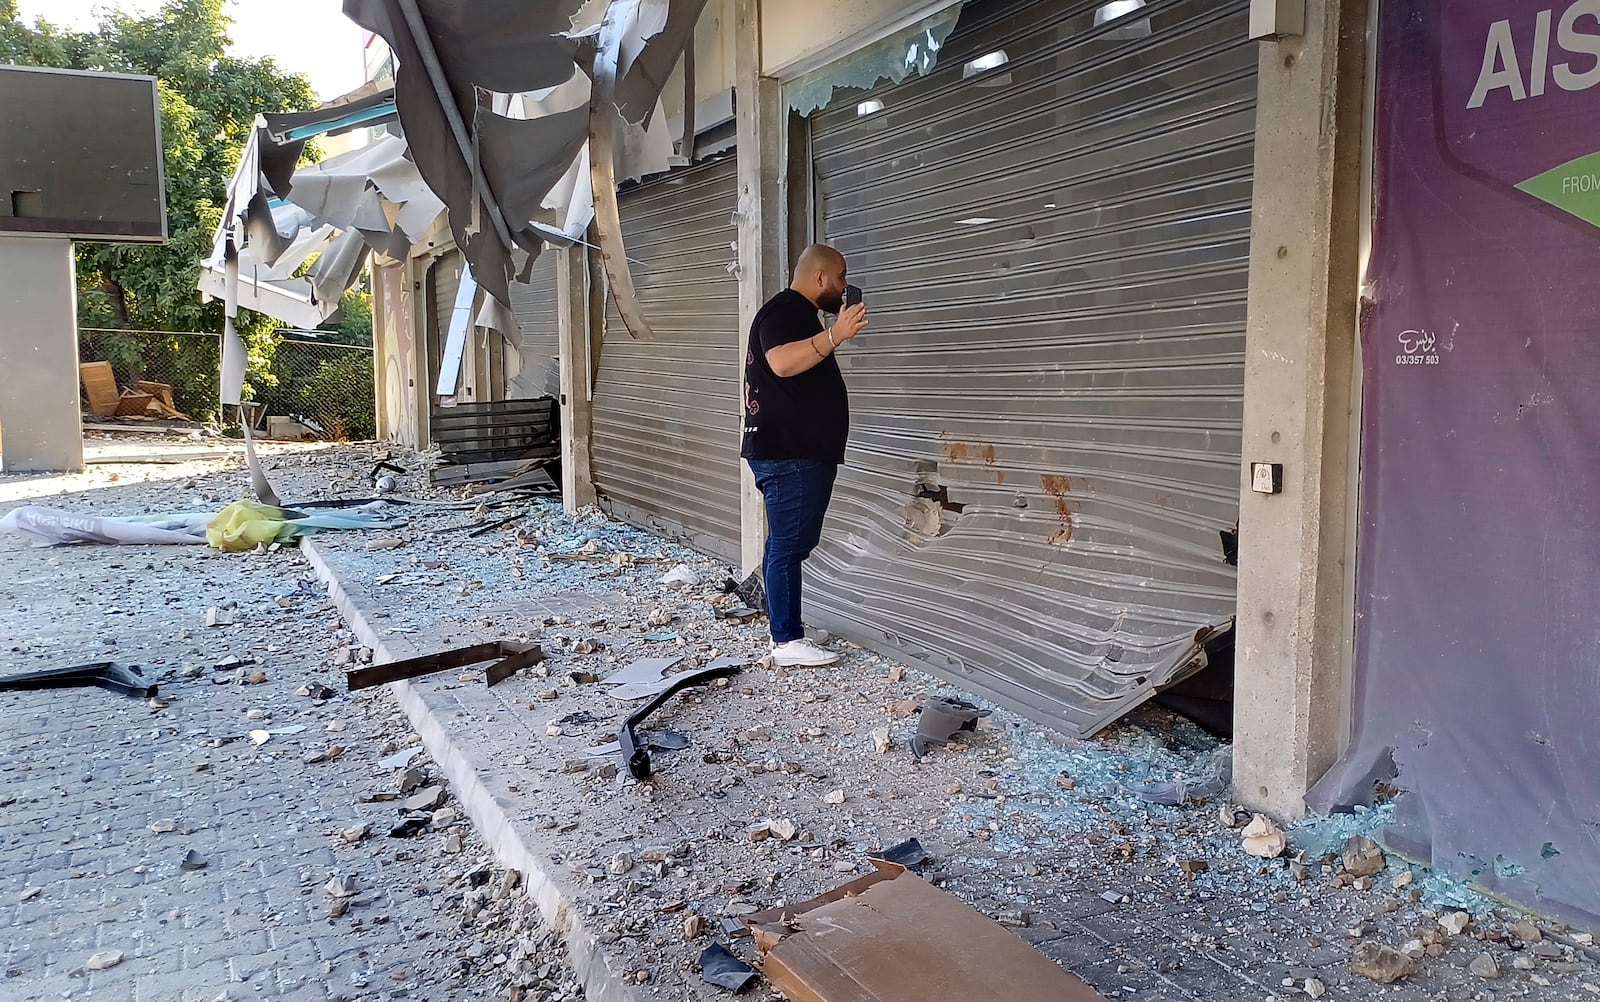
(452,114)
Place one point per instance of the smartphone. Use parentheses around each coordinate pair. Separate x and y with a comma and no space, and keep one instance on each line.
(852,296)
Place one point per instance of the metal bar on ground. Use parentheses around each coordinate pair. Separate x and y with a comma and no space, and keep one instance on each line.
(512,658)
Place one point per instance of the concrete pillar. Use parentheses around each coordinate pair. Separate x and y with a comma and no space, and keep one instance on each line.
(763,265)
(573,359)
(40,424)
(1292,699)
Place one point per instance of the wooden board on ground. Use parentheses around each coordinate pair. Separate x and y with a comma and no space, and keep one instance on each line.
(100,387)
(893,937)
(537,478)
(134,404)
(455,474)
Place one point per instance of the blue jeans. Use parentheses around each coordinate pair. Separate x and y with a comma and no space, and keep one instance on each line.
(796,492)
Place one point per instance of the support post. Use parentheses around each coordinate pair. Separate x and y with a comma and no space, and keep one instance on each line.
(577,409)
(41,428)
(759,122)
(1292,693)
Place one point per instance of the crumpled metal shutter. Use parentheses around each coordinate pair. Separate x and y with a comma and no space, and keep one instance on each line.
(1048,402)
(666,417)
(539,318)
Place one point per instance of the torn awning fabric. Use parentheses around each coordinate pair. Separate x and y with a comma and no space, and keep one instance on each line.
(279,215)
(496,171)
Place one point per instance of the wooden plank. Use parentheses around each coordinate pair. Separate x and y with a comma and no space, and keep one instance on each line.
(161,391)
(100,386)
(133,404)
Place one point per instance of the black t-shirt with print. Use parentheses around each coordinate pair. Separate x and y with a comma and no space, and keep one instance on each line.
(798,417)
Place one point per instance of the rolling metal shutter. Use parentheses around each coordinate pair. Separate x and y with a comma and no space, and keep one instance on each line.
(1047,404)
(539,318)
(666,418)
(444,278)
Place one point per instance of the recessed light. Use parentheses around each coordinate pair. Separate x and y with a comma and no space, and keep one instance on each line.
(984,63)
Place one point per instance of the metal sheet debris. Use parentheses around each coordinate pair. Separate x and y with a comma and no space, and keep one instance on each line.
(129,680)
(941,720)
(512,658)
(723,969)
(633,752)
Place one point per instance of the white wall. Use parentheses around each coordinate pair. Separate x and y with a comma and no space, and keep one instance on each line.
(797,38)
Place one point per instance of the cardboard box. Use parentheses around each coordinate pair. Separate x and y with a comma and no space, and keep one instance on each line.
(893,937)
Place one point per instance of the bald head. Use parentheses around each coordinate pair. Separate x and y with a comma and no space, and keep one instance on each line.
(820,277)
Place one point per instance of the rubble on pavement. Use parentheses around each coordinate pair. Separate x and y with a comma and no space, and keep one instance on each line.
(790,781)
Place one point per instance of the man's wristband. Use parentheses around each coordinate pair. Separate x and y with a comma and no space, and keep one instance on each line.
(831,340)
(812,341)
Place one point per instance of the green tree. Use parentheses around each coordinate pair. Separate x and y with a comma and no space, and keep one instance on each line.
(209,101)
(354,323)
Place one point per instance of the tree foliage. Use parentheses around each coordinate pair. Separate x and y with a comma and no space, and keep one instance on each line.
(209,101)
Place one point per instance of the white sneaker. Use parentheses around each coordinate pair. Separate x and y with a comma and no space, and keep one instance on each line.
(801,654)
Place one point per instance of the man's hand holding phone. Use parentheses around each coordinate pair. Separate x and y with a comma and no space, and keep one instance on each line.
(852,317)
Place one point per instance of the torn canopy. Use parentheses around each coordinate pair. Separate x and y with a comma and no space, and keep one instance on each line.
(279,216)
(496,169)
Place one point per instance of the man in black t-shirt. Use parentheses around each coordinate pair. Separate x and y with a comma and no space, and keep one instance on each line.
(796,421)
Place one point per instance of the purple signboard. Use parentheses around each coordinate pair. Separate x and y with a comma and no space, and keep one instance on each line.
(1477,685)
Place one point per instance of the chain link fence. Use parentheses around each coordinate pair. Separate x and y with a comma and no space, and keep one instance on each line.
(325,387)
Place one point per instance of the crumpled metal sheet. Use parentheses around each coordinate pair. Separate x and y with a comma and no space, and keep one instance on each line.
(510,47)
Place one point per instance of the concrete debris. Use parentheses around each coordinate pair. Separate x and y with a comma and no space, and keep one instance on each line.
(337,907)
(192,861)
(897,674)
(452,844)
(882,741)
(358,833)
(1065,782)
(1403,880)
(1484,966)
(1362,857)
(760,832)
(1379,963)
(384,543)
(165,826)
(427,800)
(1528,932)
(340,887)
(401,759)
(328,754)
(104,960)
(1314,988)
(693,927)
(217,616)
(1455,923)
(31,893)
(835,797)
(620,864)
(783,830)
(1263,839)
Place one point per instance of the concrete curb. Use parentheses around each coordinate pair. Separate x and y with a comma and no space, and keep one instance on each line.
(512,848)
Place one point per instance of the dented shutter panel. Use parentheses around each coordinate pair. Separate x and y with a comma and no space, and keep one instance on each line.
(666,418)
(1052,229)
